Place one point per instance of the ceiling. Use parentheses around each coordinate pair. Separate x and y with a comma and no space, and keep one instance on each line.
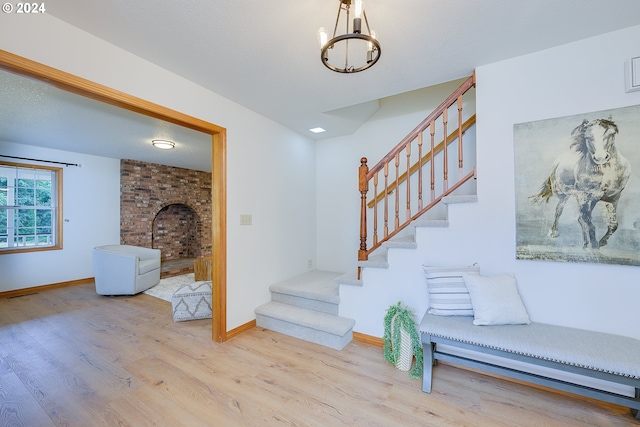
(264,55)
(40,114)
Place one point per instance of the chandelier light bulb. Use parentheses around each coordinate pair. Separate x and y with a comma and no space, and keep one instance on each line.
(374,35)
(358,9)
(322,37)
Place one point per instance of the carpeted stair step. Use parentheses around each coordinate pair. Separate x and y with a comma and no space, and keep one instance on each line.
(377,260)
(350,278)
(315,290)
(309,325)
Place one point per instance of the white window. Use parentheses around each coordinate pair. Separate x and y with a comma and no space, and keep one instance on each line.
(30,208)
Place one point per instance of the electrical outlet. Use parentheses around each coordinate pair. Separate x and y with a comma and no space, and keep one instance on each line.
(310,264)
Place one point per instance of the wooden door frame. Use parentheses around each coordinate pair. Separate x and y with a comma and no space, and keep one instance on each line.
(89,89)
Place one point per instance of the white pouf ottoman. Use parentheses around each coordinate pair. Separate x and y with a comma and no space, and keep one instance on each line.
(192,301)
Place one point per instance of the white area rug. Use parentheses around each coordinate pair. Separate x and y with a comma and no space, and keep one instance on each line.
(165,289)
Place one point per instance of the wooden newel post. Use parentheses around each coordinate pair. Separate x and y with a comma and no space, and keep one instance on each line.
(363,187)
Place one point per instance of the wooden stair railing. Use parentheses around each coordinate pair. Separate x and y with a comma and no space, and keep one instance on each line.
(425,159)
(413,173)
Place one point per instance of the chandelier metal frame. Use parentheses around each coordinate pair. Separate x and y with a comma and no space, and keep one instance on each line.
(353,32)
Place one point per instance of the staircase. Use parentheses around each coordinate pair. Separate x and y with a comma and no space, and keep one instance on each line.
(306,307)
(412,189)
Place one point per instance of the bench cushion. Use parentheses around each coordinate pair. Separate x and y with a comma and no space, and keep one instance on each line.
(614,354)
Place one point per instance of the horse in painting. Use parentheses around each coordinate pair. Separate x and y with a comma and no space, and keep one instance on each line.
(592,171)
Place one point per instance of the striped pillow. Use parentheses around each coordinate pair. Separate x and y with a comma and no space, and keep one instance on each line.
(448,294)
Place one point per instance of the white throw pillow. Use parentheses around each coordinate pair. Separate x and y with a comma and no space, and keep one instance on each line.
(496,300)
(448,295)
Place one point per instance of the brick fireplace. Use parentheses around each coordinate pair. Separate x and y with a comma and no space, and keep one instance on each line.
(166,208)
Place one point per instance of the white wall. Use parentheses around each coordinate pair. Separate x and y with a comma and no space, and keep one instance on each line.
(91,212)
(581,77)
(271,170)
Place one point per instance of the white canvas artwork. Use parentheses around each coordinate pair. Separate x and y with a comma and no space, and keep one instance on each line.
(578,188)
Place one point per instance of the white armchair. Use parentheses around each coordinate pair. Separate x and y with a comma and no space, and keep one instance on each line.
(125,269)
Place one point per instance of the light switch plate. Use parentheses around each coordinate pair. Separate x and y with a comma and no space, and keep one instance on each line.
(245,219)
(632,74)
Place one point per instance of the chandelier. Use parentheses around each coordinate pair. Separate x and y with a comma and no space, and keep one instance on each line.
(359,50)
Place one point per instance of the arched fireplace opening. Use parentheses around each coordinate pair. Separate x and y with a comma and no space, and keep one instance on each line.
(176,231)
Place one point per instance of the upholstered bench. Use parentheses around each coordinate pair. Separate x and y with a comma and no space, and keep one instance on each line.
(192,301)
(598,355)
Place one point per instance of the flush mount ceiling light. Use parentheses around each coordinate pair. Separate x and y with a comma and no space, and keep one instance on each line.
(359,50)
(317,130)
(163,144)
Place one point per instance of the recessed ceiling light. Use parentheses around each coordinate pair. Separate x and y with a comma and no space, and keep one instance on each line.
(317,130)
(163,144)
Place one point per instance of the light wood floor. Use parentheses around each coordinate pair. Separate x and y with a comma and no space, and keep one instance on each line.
(69,357)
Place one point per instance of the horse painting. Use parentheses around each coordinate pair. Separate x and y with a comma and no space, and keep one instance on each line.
(592,171)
